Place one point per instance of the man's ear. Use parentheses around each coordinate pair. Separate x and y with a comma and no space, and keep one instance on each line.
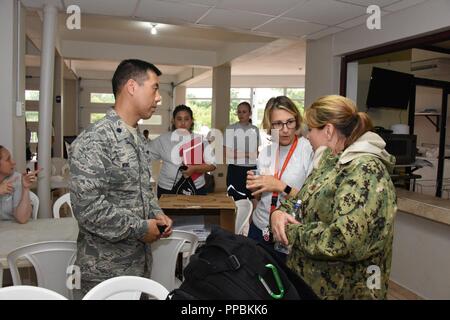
(130,86)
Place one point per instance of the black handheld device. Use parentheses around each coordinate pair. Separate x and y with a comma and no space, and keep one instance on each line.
(161,228)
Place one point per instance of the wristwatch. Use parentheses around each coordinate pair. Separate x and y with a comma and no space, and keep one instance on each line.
(287,190)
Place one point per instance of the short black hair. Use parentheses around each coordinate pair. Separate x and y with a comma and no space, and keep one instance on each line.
(145,132)
(131,69)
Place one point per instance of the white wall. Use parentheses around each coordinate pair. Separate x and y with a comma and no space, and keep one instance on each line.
(322,56)
(12,128)
(431,15)
(70,108)
(104,86)
(421,256)
(256,82)
(322,69)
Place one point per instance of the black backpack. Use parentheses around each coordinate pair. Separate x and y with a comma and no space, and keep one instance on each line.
(234,267)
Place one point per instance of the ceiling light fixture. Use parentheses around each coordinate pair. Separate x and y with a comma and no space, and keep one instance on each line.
(153,29)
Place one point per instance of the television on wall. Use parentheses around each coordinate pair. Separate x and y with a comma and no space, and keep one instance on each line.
(389,89)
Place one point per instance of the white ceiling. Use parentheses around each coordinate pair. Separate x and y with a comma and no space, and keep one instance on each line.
(214,25)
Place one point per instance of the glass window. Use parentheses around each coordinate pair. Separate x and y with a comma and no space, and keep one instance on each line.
(34,137)
(297,95)
(155,120)
(241,93)
(32,116)
(261,96)
(199,93)
(32,95)
(202,114)
(200,101)
(102,98)
(94,117)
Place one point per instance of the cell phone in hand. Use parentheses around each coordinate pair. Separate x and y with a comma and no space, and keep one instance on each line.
(162,228)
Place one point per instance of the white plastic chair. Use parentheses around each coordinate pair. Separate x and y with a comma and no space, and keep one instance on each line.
(35,204)
(65,198)
(59,165)
(190,237)
(165,254)
(50,260)
(189,247)
(29,293)
(125,287)
(244,211)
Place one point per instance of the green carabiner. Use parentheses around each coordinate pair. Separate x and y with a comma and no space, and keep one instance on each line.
(280,295)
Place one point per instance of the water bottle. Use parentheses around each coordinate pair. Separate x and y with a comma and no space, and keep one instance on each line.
(297,211)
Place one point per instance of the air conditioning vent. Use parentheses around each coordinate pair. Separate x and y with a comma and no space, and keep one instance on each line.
(434,66)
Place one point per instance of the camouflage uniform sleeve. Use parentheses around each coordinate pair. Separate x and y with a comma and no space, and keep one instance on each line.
(358,219)
(89,184)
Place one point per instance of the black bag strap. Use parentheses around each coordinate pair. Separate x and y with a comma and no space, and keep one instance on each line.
(176,177)
(238,253)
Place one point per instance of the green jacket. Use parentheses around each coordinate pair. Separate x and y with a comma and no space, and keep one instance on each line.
(348,209)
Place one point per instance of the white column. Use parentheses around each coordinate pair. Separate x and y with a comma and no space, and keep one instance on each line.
(352,81)
(180,95)
(221,84)
(322,70)
(45,108)
(12,69)
(58,107)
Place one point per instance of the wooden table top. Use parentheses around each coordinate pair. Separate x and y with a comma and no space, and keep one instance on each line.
(212,201)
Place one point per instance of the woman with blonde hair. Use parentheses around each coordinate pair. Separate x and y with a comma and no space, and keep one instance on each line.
(341,234)
(282,166)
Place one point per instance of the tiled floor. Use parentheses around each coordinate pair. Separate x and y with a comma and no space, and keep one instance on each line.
(396,292)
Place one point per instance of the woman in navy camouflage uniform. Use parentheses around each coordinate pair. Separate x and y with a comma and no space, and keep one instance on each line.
(341,236)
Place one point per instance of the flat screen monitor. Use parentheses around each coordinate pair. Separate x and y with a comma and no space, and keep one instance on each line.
(402,146)
(389,89)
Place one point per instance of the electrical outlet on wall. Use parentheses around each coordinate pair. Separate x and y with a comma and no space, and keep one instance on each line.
(20,108)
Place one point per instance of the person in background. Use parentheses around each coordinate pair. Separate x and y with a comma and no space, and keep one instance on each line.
(146,132)
(15,201)
(241,143)
(117,212)
(343,231)
(283,166)
(167,147)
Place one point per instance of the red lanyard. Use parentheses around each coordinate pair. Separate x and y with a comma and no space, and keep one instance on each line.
(279,174)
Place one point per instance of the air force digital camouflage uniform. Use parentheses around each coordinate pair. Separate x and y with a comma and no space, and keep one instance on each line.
(348,214)
(112,199)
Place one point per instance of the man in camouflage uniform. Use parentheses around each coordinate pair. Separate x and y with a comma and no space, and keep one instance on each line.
(342,246)
(117,212)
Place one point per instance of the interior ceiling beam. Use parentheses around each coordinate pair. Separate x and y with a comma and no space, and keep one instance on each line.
(117,52)
(434,48)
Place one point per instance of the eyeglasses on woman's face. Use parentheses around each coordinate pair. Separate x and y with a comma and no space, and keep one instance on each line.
(290,124)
